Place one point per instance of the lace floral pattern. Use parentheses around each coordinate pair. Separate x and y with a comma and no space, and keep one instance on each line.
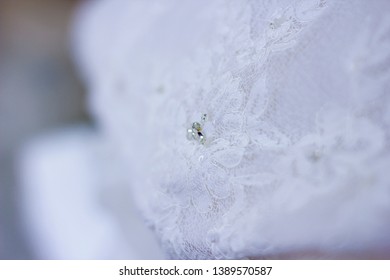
(285,126)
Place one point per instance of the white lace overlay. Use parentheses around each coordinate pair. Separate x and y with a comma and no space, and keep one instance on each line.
(297,98)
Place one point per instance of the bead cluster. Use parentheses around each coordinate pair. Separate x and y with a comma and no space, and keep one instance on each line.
(195,132)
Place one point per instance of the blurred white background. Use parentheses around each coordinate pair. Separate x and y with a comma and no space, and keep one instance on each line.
(39,91)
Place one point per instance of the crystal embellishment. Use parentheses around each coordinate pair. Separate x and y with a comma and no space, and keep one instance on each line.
(196,131)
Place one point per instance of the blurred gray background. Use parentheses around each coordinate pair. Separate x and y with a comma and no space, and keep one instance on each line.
(39,91)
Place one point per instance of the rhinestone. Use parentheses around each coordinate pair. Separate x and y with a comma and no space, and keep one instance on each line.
(202,138)
(195,135)
(197,126)
(189,134)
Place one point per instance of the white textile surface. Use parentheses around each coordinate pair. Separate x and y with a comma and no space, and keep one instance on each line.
(74,202)
(297,155)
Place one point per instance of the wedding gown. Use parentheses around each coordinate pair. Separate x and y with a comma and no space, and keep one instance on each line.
(293,155)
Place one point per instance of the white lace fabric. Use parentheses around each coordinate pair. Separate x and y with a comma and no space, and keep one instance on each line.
(297,98)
